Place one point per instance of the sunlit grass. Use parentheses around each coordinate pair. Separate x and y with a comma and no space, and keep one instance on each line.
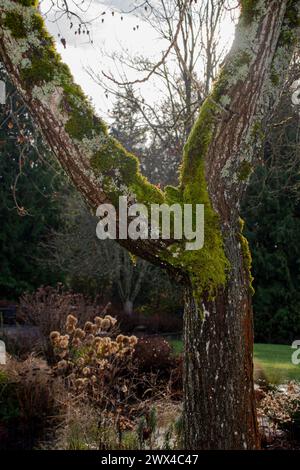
(272,362)
(275,362)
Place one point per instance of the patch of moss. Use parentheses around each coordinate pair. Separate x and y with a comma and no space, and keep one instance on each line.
(287,37)
(83,123)
(244,171)
(247,258)
(119,170)
(14,22)
(42,68)
(249,10)
(28,3)
(173,195)
(207,268)
(118,167)
(45,66)
(199,140)
(274,77)
(112,157)
(257,131)
(45,61)
(37,23)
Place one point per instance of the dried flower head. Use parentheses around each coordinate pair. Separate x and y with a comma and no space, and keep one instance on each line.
(76,342)
(97,342)
(126,341)
(79,333)
(62,365)
(114,347)
(106,324)
(71,320)
(63,342)
(111,319)
(95,329)
(86,371)
(63,353)
(98,321)
(89,340)
(133,340)
(70,329)
(120,338)
(79,383)
(80,362)
(54,337)
(102,364)
(88,327)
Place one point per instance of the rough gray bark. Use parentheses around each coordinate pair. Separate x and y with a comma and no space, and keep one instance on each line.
(219,409)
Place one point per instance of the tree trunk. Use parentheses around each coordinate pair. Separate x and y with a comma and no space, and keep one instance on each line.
(219,409)
(128,307)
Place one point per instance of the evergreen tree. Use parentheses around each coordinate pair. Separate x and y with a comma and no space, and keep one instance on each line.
(272,213)
(28,203)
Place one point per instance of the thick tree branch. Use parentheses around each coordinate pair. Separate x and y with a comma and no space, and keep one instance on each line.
(230,125)
(101,168)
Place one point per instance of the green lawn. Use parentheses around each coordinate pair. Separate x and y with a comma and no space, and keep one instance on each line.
(272,362)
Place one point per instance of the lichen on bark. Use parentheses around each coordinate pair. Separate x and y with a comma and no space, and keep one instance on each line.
(47,78)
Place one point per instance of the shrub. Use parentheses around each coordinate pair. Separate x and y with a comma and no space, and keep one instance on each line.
(163,323)
(152,323)
(279,414)
(176,378)
(48,308)
(95,360)
(21,342)
(153,354)
(29,400)
(88,428)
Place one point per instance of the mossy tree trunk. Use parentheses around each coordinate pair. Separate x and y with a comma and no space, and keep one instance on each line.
(219,409)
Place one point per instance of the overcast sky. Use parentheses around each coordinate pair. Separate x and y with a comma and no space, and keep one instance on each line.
(111,35)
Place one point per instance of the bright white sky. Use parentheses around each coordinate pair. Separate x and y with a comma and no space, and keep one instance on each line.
(112,35)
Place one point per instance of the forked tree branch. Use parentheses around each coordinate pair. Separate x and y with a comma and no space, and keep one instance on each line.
(100,167)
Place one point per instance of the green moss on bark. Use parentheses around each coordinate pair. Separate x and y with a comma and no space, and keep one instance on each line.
(42,68)
(247,258)
(118,170)
(28,3)
(208,267)
(244,171)
(14,22)
(249,10)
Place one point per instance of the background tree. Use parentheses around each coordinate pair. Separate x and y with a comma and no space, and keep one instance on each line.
(183,78)
(265,204)
(220,149)
(30,181)
(272,225)
(99,267)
